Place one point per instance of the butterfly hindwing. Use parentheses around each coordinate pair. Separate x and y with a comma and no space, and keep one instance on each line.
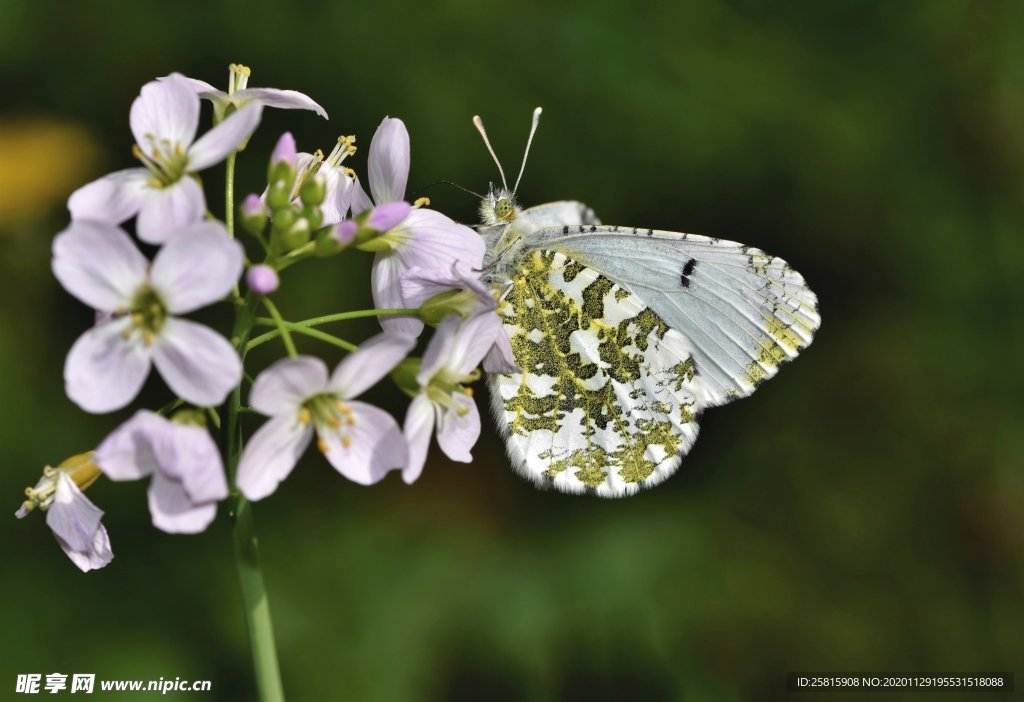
(743,311)
(609,395)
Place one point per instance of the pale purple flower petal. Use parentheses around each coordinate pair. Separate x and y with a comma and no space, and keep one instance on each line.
(460,346)
(271,454)
(345,232)
(104,371)
(198,364)
(214,146)
(126,454)
(373,360)
(252,206)
(172,509)
(388,162)
(188,455)
(262,279)
(457,433)
(99,264)
(420,284)
(199,86)
(113,198)
(198,266)
(71,516)
(388,216)
(165,110)
(281,99)
(97,555)
(435,241)
(361,202)
(282,387)
(500,359)
(376,445)
(419,425)
(440,349)
(386,285)
(338,189)
(168,209)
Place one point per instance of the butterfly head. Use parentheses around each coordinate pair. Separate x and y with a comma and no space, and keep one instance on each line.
(499,207)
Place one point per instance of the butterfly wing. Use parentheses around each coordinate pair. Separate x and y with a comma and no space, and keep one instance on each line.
(743,312)
(608,398)
(558,214)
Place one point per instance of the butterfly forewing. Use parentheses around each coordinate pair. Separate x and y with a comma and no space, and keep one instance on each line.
(744,312)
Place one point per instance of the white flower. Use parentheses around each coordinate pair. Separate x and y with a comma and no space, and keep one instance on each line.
(449,363)
(166,197)
(423,239)
(106,367)
(459,291)
(184,462)
(243,95)
(73,519)
(361,441)
(338,180)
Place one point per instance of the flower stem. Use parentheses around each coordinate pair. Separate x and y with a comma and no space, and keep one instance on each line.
(254,594)
(229,195)
(282,327)
(357,314)
(299,329)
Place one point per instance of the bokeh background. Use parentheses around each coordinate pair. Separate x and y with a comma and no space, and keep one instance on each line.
(861,512)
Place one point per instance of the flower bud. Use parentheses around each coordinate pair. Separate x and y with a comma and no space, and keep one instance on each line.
(262,279)
(293,237)
(283,159)
(190,417)
(279,196)
(345,232)
(252,214)
(313,191)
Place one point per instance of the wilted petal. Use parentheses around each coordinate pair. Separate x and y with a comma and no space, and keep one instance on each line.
(71,516)
(127,454)
(167,210)
(282,387)
(172,509)
(113,198)
(166,109)
(271,454)
(376,445)
(386,285)
(214,146)
(457,432)
(419,425)
(104,371)
(198,266)
(98,264)
(197,363)
(281,99)
(374,359)
(96,556)
(388,162)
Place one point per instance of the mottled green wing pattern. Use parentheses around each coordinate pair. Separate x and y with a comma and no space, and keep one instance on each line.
(608,398)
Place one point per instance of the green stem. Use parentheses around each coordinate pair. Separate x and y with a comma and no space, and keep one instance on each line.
(298,329)
(229,195)
(282,327)
(254,593)
(358,314)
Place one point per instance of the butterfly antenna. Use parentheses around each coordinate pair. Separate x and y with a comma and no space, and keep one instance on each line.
(453,184)
(529,141)
(479,124)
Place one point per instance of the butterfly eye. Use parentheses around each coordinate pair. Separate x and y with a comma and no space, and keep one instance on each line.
(504,211)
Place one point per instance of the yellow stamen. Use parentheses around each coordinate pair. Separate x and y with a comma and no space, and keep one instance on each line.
(305,416)
(343,408)
(346,440)
(422,202)
(321,443)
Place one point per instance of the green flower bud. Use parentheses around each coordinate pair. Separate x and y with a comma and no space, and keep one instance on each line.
(280,194)
(460,303)
(313,191)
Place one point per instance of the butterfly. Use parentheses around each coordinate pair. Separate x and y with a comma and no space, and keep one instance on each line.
(625,335)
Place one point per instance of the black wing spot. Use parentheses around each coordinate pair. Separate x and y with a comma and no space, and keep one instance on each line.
(650,232)
(688,269)
(593,227)
(565,229)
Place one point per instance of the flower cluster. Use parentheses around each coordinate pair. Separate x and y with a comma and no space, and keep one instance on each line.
(425,271)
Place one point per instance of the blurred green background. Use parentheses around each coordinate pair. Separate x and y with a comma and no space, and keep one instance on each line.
(861,512)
